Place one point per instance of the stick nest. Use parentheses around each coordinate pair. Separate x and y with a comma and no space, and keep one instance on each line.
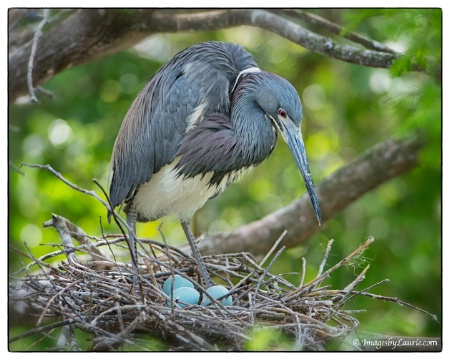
(94,292)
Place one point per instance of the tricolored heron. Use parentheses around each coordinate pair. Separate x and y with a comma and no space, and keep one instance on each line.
(205,117)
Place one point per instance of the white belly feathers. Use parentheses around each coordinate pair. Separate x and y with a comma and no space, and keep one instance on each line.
(167,194)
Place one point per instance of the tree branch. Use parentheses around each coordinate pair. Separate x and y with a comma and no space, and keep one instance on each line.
(371,169)
(89,34)
(321,44)
(334,29)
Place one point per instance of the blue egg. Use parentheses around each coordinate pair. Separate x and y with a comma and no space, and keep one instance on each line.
(179,282)
(184,296)
(216,292)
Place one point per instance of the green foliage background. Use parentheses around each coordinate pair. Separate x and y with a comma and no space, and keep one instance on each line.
(347,109)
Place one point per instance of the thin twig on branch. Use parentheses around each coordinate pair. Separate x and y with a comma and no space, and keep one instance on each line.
(37,35)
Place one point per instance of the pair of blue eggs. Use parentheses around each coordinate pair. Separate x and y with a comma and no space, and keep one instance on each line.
(185,294)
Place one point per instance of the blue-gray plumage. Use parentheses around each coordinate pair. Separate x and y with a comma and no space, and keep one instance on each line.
(204,118)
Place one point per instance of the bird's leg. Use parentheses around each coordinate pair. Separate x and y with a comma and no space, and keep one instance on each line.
(131,221)
(198,258)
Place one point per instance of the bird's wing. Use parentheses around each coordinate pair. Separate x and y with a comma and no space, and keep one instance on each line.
(195,83)
(202,149)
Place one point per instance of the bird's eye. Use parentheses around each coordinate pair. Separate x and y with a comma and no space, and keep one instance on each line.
(282,113)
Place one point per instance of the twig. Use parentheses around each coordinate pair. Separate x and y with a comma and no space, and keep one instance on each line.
(325,257)
(47,93)
(28,256)
(38,263)
(181,330)
(347,291)
(67,182)
(15,168)
(65,337)
(266,270)
(320,278)
(275,245)
(150,270)
(49,303)
(59,224)
(302,280)
(39,330)
(79,235)
(368,288)
(37,35)
(400,302)
(118,220)
(107,341)
(84,191)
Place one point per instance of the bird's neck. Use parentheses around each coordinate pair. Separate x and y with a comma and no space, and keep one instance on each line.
(255,135)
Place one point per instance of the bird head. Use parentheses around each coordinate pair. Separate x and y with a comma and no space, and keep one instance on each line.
(281,104)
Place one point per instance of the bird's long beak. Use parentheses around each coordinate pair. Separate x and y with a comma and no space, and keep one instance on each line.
(293,137)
